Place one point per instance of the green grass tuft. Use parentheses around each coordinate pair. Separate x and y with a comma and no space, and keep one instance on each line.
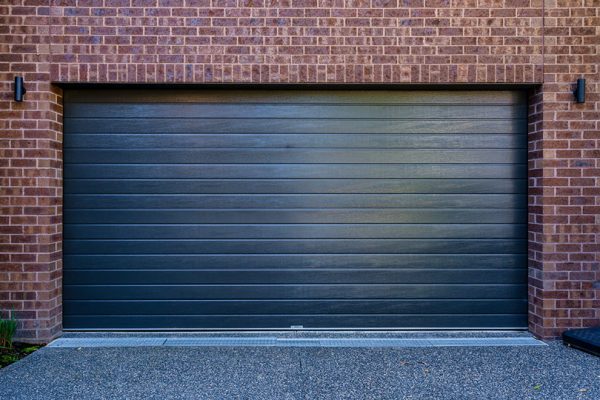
(8,327)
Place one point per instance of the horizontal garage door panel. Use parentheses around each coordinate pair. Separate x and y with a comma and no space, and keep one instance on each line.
(333,216)
(295,261)
(298,276)
(295,231)
(293,111)
(295,156)
(290,171)
(300,96)
(264,209)
(290,246)
(295,125)
(299,140)
(229,321)
(305,291)
(298,307)
(394,188)
(321,200)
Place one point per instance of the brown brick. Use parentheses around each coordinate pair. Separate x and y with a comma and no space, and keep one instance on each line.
(378,41)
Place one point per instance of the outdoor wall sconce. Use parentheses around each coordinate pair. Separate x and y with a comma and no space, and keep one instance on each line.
(579,91)
(19,88)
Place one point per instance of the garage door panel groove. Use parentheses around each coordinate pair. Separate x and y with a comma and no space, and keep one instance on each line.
(218,209)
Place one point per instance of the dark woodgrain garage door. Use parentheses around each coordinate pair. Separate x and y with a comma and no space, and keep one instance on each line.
(271,209)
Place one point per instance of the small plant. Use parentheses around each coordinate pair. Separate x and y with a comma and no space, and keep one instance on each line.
(8,327)
(6,359)
(30,349)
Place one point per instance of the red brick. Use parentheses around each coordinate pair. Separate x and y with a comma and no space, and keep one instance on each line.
(379,41)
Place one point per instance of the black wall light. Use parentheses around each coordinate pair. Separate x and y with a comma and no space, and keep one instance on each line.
(19,88)
(579,91)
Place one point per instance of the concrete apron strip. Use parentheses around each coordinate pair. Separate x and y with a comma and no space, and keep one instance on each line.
(293,342)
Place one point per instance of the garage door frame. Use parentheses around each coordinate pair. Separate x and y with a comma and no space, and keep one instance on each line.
(329,87)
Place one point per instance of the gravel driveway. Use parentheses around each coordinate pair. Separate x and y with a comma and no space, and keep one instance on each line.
(545,372)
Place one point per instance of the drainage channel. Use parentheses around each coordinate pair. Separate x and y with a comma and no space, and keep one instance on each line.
(293,342)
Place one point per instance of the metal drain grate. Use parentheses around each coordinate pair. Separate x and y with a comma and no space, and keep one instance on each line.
(294,342)
(222,341)
(109,342)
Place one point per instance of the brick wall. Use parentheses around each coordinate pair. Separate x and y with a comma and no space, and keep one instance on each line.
(565,174)
(319,41)
(30,175)
(297,41)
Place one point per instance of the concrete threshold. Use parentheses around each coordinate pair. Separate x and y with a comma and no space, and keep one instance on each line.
(274,341)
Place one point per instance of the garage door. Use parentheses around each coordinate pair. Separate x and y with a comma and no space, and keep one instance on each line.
(284,208)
